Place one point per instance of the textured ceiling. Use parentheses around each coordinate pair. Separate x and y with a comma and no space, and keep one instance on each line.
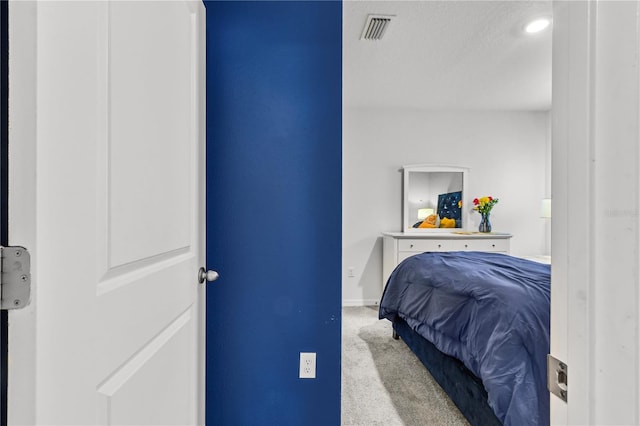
(448,55)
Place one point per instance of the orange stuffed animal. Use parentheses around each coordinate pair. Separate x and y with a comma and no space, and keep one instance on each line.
(447,223)
(429,222)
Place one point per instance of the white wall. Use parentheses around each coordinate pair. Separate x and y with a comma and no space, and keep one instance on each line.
(505,151)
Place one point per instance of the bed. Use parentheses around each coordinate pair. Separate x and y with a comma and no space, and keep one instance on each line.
(480,323)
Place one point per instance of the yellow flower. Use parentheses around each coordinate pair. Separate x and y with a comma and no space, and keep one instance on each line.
(484,204)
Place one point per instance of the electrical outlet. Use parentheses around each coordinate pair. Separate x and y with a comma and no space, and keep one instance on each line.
(307,365)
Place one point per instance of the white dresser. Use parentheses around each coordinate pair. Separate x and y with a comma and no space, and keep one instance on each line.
(397,246)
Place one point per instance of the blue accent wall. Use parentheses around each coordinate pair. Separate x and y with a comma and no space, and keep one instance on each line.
(274,164)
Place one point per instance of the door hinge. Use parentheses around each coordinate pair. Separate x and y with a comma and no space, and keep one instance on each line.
(557,377)
(15,277)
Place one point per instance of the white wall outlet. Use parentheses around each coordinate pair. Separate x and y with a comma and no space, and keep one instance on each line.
(307,365)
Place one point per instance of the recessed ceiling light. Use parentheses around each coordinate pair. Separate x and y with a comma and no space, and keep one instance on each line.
(537,25)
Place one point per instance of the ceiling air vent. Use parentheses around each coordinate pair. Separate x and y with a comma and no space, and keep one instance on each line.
(375,27)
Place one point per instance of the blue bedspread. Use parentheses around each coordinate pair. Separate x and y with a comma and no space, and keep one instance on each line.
(489,310)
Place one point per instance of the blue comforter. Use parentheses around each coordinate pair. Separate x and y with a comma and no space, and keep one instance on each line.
(489,310)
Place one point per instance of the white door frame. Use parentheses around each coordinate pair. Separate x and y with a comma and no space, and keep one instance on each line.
(22,119)
(595,226)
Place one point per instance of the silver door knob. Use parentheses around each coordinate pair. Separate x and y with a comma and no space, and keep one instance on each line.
(204,275)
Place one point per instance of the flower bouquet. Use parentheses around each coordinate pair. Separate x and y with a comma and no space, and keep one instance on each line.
(483,205)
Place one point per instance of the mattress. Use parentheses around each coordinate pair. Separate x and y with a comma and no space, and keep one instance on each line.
(465,390)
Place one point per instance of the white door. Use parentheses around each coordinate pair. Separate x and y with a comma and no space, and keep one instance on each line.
(595,310)
(107,192)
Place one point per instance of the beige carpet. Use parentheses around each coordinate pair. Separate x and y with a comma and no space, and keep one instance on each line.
(383,382)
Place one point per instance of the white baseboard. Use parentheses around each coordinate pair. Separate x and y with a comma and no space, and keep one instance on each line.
(360,302)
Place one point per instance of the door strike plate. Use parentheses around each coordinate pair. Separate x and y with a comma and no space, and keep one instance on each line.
(15,277)
(557,377)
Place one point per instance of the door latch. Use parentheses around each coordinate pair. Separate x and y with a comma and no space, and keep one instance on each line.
(15,277)
(557,377)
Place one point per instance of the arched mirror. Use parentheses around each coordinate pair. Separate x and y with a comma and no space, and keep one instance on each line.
(434,198)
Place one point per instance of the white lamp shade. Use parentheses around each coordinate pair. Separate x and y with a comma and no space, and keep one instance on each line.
(424,213)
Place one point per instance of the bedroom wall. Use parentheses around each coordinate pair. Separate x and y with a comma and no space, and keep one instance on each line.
(507,153)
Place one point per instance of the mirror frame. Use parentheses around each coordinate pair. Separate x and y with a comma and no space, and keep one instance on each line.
(407,224)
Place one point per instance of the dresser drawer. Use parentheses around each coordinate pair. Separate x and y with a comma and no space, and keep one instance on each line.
(419,246)
(501,245)
(402,255)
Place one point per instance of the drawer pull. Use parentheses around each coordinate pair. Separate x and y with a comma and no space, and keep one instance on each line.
(493,245)
(466,245)
(439,245)
(411,246)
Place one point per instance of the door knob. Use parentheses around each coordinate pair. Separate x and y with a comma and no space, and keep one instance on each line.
(204,275)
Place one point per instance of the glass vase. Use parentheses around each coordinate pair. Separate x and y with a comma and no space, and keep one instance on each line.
(485,225)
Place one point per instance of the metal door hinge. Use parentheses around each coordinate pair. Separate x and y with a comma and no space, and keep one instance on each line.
(557,377)
(15,277)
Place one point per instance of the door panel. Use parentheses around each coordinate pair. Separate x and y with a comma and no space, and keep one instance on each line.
(114,193)
(149,65)
(124,398)
(596,233)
